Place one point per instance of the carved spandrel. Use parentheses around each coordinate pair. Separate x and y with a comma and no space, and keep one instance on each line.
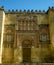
(26,43)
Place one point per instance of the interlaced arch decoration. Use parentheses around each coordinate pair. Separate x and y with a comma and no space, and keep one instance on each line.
(27,23)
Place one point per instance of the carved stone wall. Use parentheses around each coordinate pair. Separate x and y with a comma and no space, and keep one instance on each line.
(13,46)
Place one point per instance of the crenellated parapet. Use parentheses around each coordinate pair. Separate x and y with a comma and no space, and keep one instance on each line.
(51,8)
(26,11)
(2,8)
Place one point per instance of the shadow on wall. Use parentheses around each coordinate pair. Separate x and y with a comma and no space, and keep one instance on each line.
(49,58)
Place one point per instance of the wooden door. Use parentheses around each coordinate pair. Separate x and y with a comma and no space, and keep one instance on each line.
(26,54)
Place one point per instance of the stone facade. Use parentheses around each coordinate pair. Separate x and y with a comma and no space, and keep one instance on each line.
(26,36)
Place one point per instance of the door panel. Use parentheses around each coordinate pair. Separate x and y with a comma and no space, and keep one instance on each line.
(26,45)
(26,54)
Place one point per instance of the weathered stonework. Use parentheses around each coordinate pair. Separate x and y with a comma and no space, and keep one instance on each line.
(21,39)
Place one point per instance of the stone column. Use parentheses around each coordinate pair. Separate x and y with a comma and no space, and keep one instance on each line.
(2,19)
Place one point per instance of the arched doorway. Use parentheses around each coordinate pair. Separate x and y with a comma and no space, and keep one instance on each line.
(26,48)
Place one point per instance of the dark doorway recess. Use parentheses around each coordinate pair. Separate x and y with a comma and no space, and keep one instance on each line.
(26,48)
